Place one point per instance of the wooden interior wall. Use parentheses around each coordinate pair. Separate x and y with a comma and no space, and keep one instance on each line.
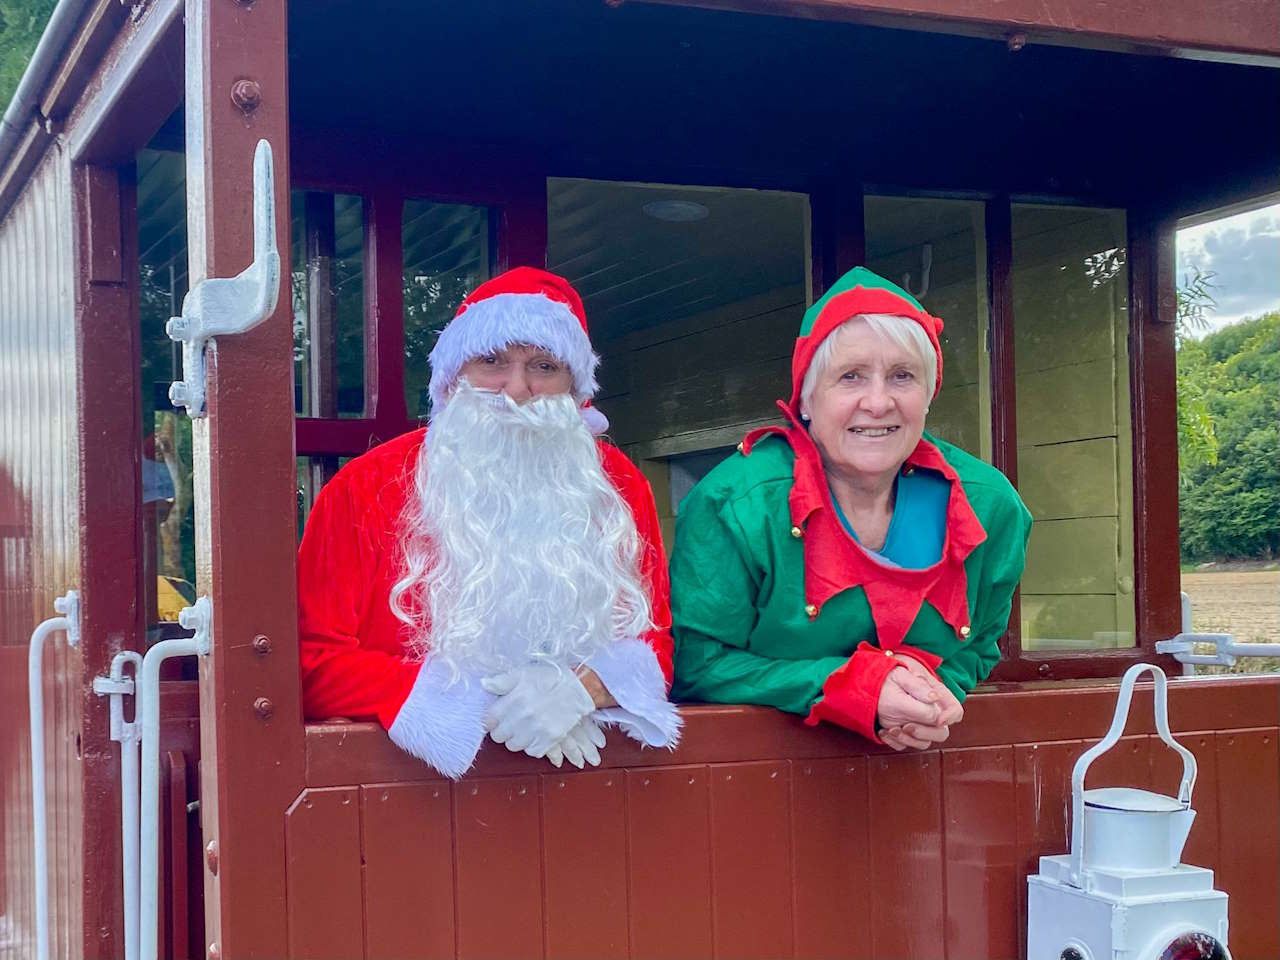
(40,559)
(759,837)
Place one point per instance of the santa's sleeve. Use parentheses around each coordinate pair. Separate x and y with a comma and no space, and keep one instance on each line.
(337,562)
(637,671)
(428,711)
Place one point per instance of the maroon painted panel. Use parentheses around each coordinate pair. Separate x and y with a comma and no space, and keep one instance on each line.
(831,852)
(906,855)
(751,859)
(499,877)
(584,842)
(668,833)
(408,871)
(982,869)
(1249,831)
(1250,28)
(322,867)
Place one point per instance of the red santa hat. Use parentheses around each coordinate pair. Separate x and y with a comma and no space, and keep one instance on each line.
(525,305)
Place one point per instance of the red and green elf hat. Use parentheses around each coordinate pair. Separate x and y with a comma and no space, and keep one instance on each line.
(858,291)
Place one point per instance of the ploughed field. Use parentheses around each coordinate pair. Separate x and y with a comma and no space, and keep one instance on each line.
(1245,604)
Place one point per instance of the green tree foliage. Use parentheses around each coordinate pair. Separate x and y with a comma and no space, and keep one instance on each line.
(1231,508)
(21,23)
(1197,443)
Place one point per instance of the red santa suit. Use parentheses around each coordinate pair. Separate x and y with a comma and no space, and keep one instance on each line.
(358,659)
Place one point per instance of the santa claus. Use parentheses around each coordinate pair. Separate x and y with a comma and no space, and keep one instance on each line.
(500,572)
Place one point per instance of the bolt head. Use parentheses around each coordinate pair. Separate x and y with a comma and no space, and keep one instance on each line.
(264,708)
(246,95)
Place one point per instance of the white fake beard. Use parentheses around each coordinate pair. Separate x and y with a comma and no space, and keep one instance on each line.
(518,548)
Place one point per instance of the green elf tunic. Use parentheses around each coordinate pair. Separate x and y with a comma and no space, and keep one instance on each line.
(775,603)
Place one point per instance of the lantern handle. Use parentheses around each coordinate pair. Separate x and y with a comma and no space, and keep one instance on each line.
(1160,700)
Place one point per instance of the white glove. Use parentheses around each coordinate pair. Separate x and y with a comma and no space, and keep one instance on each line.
(537,706)
(580,745)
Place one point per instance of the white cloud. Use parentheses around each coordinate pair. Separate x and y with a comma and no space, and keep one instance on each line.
(1243,253)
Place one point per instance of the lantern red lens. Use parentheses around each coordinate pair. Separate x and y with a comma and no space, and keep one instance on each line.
(1194,946)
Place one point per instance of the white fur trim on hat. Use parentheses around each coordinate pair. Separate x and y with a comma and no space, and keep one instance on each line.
(509,318)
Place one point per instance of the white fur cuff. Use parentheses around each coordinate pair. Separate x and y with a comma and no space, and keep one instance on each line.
(630,672)
(508,318)
(442,723)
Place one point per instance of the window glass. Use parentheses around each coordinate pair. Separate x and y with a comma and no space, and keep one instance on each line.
(1071,325)
(446,256)
(169,566)
(328,304)
(936,249)
(694,297)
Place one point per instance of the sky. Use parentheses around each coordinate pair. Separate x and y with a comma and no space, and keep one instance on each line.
(1244,253)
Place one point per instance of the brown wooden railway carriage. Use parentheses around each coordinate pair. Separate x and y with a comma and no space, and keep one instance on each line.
(1039,152)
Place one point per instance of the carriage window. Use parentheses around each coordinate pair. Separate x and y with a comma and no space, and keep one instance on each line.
(937,250)
(169,573)
(328,304)
(1071,326)
(446,255)
(694,296)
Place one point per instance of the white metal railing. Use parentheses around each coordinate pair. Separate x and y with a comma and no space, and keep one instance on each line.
(69,623)
(1226,649)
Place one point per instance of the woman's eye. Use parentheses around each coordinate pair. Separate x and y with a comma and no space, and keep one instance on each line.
(850,375)
(904,376)
(489,358)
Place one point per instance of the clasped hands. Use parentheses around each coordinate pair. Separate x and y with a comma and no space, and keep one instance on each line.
(544,711)
(915,708)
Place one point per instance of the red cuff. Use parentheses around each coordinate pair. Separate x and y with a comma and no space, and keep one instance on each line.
(851,695)
(929,660)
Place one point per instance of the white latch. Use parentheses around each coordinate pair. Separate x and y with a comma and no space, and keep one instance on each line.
(1225,647)
(117,686)
(222,306)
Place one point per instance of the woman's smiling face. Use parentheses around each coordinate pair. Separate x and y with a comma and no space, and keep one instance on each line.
(868,406)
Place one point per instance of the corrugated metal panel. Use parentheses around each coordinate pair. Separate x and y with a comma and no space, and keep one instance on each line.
(39,533)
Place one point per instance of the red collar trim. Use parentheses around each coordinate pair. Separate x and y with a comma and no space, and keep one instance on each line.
(834,561)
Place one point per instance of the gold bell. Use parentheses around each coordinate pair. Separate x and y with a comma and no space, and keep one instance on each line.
(964,632)
(797,532)
(811,609)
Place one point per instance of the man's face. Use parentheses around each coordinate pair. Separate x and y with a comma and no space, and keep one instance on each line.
(520,371)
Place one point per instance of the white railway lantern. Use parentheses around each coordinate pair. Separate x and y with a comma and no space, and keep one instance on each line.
(1122,892)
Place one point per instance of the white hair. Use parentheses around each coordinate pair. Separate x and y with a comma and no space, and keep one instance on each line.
(518,547)
(903,331)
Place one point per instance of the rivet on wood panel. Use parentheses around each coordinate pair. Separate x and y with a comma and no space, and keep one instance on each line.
(522,791)
(435,794)
(346,801)
(307,803)
(261,645)
(560,784)
(385,796)
(808,771)
(646,782)
(264,708)
(608,783)
(774,775)
(211,856)
(728,777)
(1016,42)
(692,780)
(474,791)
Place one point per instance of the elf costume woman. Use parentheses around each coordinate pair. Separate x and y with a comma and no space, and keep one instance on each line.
(848,566)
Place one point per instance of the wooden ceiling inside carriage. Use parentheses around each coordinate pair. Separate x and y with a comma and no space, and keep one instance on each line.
(371,858)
